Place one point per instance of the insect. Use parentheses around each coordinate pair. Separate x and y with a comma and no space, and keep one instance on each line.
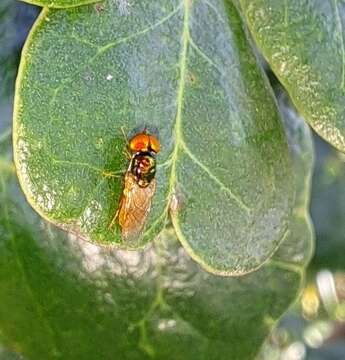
(139,185)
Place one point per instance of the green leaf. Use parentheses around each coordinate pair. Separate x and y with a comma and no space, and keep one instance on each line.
(328,208)
(59,4)
(302,150)
(64,298)
(9,355)
(186,70)
(304,44)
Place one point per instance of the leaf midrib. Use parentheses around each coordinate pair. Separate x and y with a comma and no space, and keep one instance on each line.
(180,93)
(182,65)
(179,141)
(180,144)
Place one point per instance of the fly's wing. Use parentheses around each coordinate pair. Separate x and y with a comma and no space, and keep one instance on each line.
(135,205)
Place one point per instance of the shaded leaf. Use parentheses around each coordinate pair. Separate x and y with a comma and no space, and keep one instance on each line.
(12,38)
(186,70)
(64,298)
(328,208)
(302,149)
(303,42)
(331,351)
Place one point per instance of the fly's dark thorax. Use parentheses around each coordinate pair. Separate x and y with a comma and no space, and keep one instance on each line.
(143,167)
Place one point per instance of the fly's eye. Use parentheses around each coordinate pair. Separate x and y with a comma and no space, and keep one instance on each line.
(139,142)
(154,144)
(144,142)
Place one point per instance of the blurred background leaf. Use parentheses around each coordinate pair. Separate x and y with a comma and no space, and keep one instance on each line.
(328,207)
(303,41)
(16,20)
(314,328)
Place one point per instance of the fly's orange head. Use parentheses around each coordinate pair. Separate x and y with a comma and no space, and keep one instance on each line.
(144,142)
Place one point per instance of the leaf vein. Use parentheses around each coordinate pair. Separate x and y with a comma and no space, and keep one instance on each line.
(180,92)
(160,218)
(221,72)
(215,10)
(235,197)
(103,49)
(108,46)
(103,172)
(83,41)
(286,13)
(204,56)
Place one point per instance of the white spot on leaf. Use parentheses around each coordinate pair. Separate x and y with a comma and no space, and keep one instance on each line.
(166,324)
(123,6)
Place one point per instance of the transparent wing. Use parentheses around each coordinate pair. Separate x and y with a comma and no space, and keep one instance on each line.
(135,205)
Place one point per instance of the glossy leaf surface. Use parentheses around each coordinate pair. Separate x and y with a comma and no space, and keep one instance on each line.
(303,41)
(185,70)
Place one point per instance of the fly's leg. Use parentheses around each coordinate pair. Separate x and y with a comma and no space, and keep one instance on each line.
(124,133)
(113,221)
(127,154)
(116,216)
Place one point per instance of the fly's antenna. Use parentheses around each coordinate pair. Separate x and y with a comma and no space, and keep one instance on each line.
(124,133)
